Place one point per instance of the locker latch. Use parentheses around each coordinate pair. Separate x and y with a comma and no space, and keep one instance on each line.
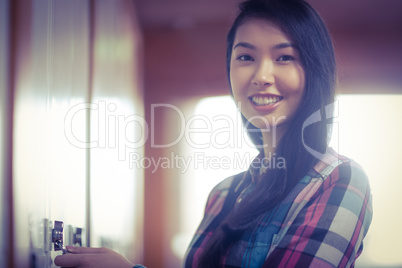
(57,235)
(77,240)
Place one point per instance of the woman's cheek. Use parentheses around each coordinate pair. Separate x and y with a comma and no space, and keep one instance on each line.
(239,79)
(291,82)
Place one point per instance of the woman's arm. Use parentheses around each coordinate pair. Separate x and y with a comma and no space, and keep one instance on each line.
(329,230)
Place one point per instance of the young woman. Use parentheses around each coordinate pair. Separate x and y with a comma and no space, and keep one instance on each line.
(314,208)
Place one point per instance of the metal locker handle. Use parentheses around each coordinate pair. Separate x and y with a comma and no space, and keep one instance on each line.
(57,235)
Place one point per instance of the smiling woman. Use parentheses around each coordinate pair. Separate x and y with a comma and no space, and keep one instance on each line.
(281,64)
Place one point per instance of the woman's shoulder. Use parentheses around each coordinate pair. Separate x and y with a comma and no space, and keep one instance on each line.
(219,193)
(336,168)
(331,161)
(225,184)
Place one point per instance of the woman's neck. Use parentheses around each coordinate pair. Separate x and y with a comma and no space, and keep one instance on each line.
(271,139)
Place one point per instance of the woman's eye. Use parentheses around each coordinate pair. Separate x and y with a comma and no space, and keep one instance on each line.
(285,58)
(245,58)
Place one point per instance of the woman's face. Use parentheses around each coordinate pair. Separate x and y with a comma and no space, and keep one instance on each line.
(266,74)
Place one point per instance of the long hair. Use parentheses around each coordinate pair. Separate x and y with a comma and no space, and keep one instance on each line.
(302,24)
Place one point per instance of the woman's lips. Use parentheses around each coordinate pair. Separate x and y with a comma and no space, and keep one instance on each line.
(265,102)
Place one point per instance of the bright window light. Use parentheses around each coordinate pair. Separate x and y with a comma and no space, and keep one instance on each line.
(369,131)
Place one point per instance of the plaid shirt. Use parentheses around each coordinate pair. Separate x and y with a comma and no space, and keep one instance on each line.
(320,223)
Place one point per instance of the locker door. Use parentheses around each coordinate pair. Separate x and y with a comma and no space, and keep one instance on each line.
(49,172)
(78,119)
(5,135)
(118,129)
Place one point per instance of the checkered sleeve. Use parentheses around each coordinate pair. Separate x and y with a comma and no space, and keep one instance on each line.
(329,230)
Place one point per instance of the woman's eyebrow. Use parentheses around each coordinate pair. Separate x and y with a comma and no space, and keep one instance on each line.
(284,45)
(278,46)
(245,45)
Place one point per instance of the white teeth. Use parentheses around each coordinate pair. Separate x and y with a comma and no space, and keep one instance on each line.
(265,100)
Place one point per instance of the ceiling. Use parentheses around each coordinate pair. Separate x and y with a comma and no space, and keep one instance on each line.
(338,14)
(367,35)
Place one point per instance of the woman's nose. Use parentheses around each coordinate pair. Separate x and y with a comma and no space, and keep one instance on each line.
(263,75)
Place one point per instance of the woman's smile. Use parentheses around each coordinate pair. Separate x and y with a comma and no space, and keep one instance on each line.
(265,102)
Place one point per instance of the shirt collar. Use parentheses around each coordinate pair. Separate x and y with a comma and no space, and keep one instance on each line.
(256,169)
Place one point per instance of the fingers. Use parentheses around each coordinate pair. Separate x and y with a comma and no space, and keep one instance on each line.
(85,250)
(68,260)
(92,257)
(77,256)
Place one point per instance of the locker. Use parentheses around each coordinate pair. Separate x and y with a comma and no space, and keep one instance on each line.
(74,85)
(49,175)
(118,128)
(5,134)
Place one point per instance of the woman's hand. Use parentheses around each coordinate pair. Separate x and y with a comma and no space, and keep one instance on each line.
(92,257)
